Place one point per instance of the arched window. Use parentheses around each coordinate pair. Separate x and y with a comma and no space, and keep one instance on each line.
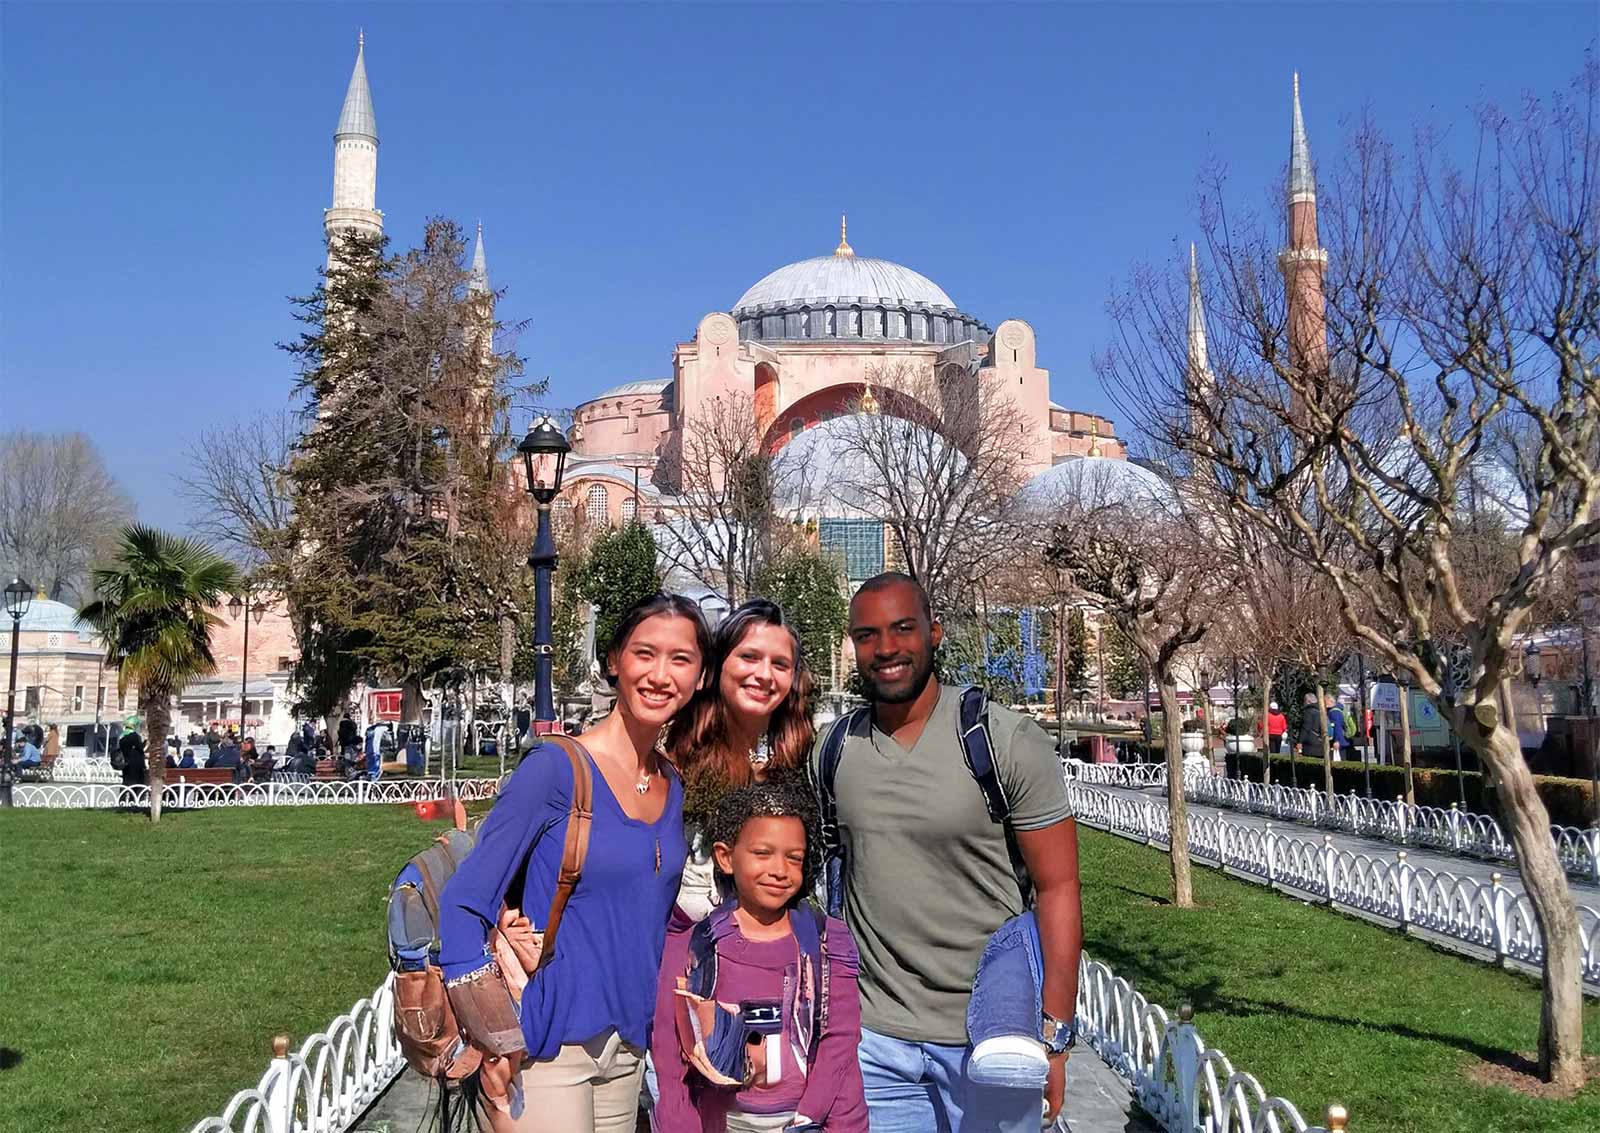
(630,510)
(597,509)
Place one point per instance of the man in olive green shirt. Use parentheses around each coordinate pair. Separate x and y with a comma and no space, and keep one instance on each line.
(929,876)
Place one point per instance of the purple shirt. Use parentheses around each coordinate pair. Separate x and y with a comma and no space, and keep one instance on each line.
(829,1090)
(608,952)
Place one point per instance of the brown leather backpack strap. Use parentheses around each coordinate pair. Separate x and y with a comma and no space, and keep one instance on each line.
(580,816)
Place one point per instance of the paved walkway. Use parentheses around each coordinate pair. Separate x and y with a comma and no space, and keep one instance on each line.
(1097,1102)
(1585,893)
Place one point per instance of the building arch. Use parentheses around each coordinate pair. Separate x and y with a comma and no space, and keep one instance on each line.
(768,393)
(838,400)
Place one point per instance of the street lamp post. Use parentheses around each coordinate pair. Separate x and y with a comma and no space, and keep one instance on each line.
(1366,733)
(19,596)
(544,458)
(247,605)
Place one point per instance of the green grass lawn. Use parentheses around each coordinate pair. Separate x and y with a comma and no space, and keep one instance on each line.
(1321,1007)
(148,967)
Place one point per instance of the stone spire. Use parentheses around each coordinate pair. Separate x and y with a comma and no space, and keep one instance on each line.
(1199,363)
(356,118)
(1302,182)
(1303,262)
(355,159)
(479,283)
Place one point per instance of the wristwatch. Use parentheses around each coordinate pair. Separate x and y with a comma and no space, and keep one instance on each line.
(1057,1036)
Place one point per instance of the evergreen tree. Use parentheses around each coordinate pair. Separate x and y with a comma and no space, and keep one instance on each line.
(810,590)
(1124,677)
(404,518)
(621,569)
(1077,652)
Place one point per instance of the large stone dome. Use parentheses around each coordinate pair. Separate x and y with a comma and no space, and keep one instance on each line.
(847,279)
(849,297)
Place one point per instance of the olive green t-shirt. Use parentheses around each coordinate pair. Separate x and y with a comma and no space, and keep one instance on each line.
(928,878)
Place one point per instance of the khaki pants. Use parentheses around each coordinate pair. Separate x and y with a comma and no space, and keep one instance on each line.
(590,1087)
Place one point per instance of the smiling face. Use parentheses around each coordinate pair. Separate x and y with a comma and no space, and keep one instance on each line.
(656,669)
(894,641)
(767,862)
(758,673)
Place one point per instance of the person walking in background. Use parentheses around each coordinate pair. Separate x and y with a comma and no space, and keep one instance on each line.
(1310,740)
(928,876)
(130,749)
(1277,728)
(1337,729)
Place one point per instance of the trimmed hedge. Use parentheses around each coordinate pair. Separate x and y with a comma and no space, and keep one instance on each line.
(1569,801)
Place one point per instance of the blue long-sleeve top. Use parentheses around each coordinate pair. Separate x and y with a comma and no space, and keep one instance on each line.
(608,950)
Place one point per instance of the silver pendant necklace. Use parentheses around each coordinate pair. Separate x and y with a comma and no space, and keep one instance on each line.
(760,755)
(643,785)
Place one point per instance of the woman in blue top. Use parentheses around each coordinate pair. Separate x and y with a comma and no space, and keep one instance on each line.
(586,1014)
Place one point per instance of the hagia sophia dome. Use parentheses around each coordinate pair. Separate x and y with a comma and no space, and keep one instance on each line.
(846,296)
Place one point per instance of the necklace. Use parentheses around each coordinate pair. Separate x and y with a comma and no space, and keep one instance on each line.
(761,754)
(643,784)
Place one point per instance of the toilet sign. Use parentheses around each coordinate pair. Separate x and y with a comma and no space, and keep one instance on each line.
(1386,697)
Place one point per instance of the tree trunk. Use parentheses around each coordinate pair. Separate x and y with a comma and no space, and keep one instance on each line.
(1266,735)
(1177,804)
(157,711)
(1327,740)
(1545,881)
(1405,743)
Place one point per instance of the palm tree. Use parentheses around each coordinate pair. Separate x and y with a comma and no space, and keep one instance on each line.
(153,609)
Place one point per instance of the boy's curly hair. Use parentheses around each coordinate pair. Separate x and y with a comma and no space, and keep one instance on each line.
(789,799)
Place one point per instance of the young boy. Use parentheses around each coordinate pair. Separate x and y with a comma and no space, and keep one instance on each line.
(757,1013)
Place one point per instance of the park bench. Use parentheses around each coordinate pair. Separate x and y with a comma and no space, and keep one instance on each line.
(198,775)
(43,772)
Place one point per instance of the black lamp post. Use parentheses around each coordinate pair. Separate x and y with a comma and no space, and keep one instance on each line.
(235,605)
(544,458)
(19,596)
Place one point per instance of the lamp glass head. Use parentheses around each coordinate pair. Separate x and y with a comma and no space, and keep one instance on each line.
(19,597)
(234,606)
(544,458)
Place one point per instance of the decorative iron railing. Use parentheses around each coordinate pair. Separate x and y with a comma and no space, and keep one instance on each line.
(1184,1084)
(1489,916)
(1439,828)
(69,796)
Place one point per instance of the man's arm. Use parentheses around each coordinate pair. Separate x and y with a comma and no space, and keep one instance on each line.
(1051,855)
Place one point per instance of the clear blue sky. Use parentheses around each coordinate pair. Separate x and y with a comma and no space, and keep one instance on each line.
(165,167)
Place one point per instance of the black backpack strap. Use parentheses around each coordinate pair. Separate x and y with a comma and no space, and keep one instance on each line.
(828,757)
(977,748)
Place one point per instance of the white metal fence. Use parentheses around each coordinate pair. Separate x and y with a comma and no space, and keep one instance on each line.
(1187,1086)
(77,796)
(1440,828)
(325,1086)
(1488,916)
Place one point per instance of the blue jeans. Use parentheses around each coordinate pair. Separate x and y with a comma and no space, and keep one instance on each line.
(923,1088)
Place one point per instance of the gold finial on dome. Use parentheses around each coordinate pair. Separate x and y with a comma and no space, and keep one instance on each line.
(869,404)
(1094,436)
(844,248)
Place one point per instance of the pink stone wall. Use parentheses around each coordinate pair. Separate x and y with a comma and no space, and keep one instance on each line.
(271,641)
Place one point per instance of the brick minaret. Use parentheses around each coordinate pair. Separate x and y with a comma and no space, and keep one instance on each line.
(1304,261)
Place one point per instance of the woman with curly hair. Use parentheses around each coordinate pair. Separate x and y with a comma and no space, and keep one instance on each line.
(750,723)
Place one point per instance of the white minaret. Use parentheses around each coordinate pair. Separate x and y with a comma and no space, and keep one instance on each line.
(355,159)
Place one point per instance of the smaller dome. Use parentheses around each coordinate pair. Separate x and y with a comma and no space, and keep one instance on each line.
(647,385)
(1094,481)
(822,470)
(47,616)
